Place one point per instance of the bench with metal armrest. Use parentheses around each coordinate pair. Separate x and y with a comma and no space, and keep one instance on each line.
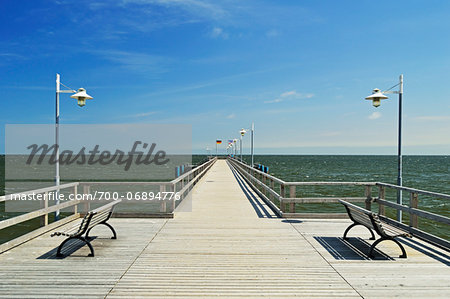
(373,222)
(95,217)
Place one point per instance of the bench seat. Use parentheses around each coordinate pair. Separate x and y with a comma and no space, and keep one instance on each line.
(95,217)
(373,222)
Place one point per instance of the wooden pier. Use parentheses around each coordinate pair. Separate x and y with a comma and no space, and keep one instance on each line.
(232,245)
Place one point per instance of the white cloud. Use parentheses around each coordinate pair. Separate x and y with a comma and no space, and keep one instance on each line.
(135,61)
(198,8)
(375,115)
(218,32)
(232,115)
(292,94)
(288,93)
(272,33)
(274,101)
(143,114)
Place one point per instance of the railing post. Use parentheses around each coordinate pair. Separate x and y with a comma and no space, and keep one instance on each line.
(44,205)
(292,194)
(282,195)
(368,195)
(272,186)
(413,203)
(87,202)
(264,182)
(75,192)
(163,206)
(381,195)
(174,190)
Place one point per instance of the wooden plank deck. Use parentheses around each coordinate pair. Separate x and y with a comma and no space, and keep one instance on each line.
(230,245)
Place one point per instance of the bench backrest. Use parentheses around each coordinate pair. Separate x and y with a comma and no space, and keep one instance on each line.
(364,217)
(99,215)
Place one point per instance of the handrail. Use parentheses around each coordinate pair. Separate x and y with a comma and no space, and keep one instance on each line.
(267,191)
(331,183)
(184,175)
(38,191)
(290,187)
(414,211)
(187,181)
(277,180)
(413,190)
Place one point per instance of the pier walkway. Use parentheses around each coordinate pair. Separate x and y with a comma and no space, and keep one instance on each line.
(230,245)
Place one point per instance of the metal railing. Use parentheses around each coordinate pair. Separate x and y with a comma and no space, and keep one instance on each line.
(181,185)
(282,197)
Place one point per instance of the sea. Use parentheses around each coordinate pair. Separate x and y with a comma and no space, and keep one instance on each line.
(431,173)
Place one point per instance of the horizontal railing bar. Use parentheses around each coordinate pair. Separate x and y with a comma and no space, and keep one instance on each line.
(37,191)
(184,175)
(277,180)
(322,199)
(412,190)
(25,217)
(197,177)
(125,183)
(417,212)
(316,215)
(273,192)
(330,183)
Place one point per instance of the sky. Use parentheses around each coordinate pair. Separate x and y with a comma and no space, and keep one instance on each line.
(299,70)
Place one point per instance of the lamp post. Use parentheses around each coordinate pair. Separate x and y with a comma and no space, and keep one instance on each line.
(81,96)
(253,132)
(376,97)
(242,132)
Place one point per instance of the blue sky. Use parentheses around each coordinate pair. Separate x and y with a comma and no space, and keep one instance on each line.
(299,69)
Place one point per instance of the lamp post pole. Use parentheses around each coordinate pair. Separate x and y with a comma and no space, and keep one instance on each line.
(376,97)
(240,147)
(81,96)
(57,177)
(253,130)
(399,155)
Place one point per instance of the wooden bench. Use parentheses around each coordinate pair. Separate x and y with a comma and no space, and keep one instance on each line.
(373,222)
(98,216)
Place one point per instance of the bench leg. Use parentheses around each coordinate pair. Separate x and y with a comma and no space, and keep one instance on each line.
(58,253)
(353,225)
(108,225)
(403,255)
